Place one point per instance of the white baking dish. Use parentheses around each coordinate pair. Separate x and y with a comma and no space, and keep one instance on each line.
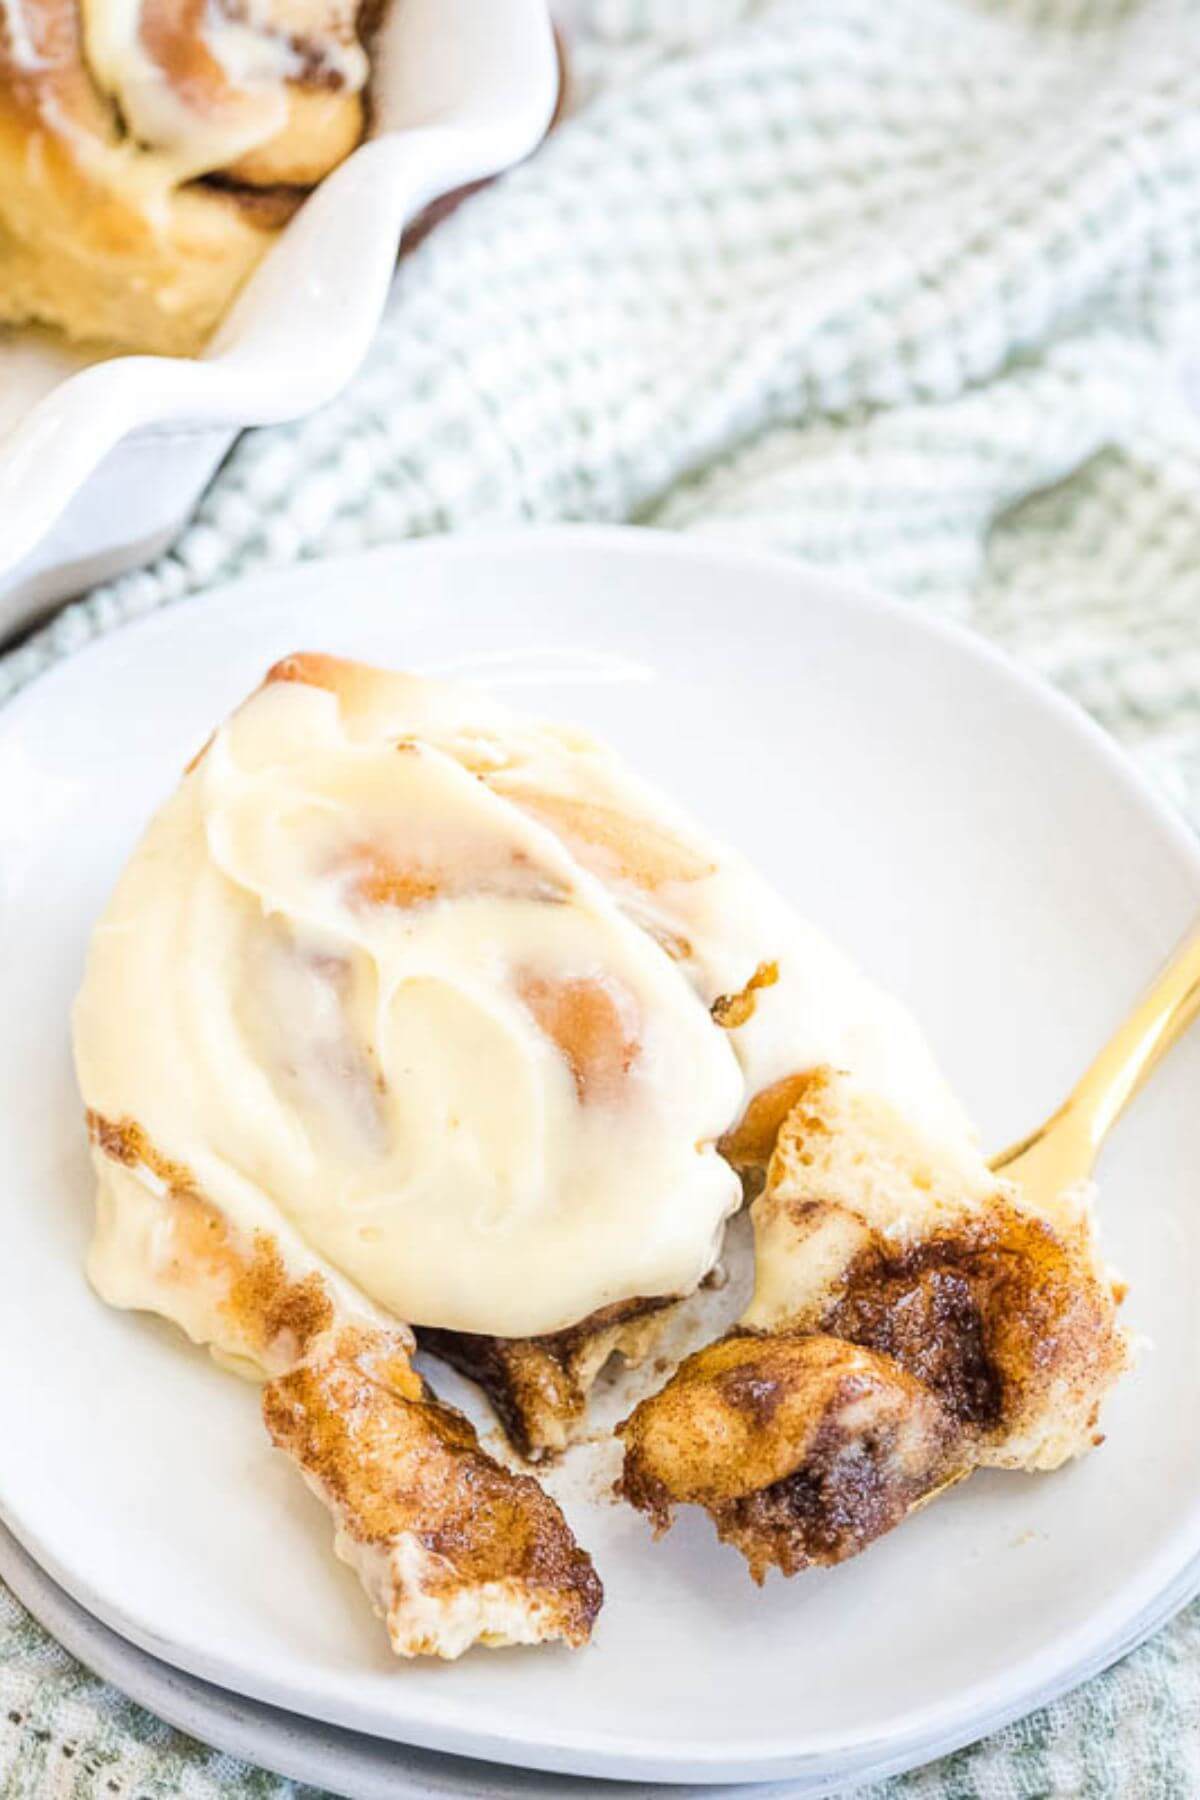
(101,462)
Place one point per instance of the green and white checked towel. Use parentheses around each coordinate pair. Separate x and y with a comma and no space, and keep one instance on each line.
(909,288)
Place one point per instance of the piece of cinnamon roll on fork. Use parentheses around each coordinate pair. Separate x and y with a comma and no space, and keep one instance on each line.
(912,1320)
(150,153)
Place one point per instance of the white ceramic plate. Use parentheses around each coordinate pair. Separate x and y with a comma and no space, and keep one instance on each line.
(344,1762)
(966,834)
(361,1767)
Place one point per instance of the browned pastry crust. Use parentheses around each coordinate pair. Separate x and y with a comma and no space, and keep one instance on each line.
(270,1317)
(897,1364)
(802,1450)
(452,1548)
(539,1387)
(995,1319)
(751,1143)
(451,1537)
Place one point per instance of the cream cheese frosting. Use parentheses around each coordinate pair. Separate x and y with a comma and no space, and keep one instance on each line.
(431,982)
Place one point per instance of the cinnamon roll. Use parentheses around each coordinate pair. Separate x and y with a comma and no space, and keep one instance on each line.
(530,1152)
(150,150)
(411,1013)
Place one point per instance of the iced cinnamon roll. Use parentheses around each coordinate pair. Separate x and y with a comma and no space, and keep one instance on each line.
(151,150)
(412,1013)
(506,1024)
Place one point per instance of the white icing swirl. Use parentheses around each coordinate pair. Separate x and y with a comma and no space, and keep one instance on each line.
(433,981)
(239,100)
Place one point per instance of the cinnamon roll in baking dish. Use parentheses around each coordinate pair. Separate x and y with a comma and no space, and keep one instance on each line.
(150,150)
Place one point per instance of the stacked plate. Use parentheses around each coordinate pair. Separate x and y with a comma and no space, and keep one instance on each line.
(969,838)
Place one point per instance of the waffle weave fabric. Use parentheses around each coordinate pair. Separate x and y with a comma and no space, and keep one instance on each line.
(909,290)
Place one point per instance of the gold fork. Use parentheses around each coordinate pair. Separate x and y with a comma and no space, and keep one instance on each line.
(1064,1149)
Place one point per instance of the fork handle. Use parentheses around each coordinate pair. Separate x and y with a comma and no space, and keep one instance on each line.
(1135,1049)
